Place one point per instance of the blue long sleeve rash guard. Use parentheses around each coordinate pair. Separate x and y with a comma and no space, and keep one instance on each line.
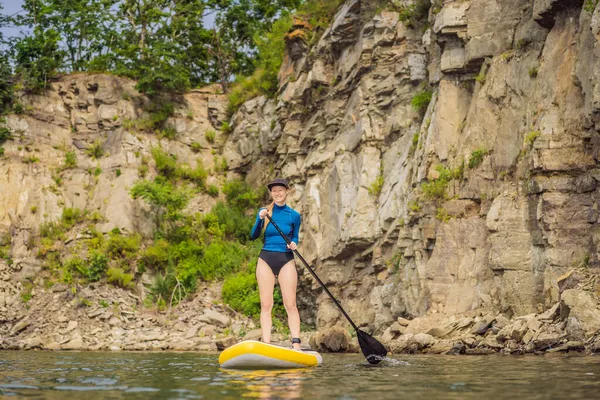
(287,219)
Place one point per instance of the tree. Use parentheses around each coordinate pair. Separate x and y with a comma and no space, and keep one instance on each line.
(80,24)
(38,59)
(5,71)
(233,46)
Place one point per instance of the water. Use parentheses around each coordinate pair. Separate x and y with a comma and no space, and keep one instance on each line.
(162,375)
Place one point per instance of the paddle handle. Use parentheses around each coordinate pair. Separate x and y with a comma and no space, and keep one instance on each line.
(313,273)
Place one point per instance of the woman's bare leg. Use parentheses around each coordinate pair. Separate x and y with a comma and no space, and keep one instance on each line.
(266,284)
(288,281)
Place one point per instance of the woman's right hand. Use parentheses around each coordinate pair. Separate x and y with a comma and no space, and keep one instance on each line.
(262,213)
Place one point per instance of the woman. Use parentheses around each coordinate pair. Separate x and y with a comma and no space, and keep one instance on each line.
(276,260)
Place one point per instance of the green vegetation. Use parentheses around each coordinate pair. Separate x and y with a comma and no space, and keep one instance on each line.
(533,72)
(210,136)
(421,100)
(442,215)
(95,151)
(523,43)
(590,5)
(477,157)
(163,45)
(5,244)
(212,190)
(480,78)
(413,144)
(168,168)
(271,48)
(395,262)
(31,160)
(70,160)
(196,147)
(376,186)
(530,138)
(436,189)
(414,14)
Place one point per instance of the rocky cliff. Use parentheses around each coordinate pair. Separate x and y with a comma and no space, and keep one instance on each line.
(482,201)
(444,157)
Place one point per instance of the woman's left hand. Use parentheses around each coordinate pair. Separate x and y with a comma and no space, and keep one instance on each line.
(292,246)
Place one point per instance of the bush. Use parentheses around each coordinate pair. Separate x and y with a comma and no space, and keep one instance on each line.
(4,135)
(270,50)
(122,247)
(51,230)
(98,264)
(120,278)
(212,190)
(530,138)
(376,186)
(168,132)
(414,14)
(162,195)
(240,291)
(95,151)
(210,136)
(240,195)
(477,158)
(436,189)
(420,101)
(70,217)
(166,164)
(197,175)
(77,265)
(590,5)
(196,147)
(70,160)
(232,222)
(156,256)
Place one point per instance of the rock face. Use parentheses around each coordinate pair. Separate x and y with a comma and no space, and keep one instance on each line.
(514,120)
(448,180)
(77,114)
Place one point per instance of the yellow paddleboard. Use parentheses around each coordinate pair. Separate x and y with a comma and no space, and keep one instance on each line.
(259,355)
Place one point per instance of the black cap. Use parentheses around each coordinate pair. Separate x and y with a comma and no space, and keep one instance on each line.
(278,182)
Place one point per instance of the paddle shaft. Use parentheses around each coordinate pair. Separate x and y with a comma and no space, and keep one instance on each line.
(288,241)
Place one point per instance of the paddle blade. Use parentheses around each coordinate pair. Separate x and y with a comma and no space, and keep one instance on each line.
(373,351)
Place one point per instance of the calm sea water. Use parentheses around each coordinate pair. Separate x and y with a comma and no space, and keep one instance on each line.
(60,375)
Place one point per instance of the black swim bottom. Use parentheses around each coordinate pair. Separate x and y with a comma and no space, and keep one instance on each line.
(275,259)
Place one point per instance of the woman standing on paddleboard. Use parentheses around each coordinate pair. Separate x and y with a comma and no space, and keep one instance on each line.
(276,260)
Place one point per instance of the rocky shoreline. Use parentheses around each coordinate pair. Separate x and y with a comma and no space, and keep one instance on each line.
(571,325)
(104,318)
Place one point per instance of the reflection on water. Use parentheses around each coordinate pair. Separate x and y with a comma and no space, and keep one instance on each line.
(281,384)
(60,375)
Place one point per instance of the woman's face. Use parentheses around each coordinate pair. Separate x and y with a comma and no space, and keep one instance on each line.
(279,193)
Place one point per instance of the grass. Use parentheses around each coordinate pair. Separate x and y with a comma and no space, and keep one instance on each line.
(196,147)
(442,215)
(420,100)
(477,157)
(480,78)
(413,144)
(70,160)
(530,138)
(436,189)
(533,72)
(31,160)
(210,136)
(376,186)
(590,5)
(95,151)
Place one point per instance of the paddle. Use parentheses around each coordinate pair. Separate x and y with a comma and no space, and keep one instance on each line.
(373,351)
